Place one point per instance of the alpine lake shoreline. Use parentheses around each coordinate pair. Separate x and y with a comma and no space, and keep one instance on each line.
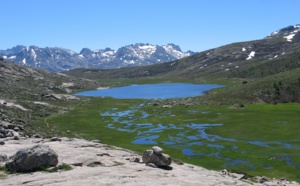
(254,139)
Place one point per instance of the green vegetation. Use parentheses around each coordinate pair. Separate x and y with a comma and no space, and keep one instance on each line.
(62,167)
(2,172)
(267,67)
(257,139)
(280,88)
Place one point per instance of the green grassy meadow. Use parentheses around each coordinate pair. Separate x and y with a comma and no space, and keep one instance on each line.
(259,139)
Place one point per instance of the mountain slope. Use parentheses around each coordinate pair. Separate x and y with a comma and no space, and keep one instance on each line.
(28,93)
(223,61)
(278,53)
(59,59)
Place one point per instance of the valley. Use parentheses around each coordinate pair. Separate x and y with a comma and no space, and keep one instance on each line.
(251,125)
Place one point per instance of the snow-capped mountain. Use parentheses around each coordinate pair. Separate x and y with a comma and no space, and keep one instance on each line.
(59,59)
(288,32)
(275,53)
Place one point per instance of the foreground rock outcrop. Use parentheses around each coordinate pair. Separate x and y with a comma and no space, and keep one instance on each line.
(31,159)
(94,163)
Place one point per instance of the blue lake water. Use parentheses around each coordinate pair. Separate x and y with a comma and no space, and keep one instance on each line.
(153,91)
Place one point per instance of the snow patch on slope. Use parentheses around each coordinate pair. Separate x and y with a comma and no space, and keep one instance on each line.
(251,55)
(289,37)
(33,54)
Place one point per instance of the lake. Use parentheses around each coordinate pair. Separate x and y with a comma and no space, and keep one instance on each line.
(153,91)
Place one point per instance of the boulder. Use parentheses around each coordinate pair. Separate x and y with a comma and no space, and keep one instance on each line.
(61,97)
(31,159)
(157,158)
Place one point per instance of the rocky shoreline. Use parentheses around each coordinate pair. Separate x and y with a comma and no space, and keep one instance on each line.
(94,163)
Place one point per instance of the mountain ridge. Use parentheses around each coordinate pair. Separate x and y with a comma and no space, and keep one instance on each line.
(60,59)
(224,60)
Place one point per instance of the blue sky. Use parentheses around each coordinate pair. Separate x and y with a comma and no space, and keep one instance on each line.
(195,25)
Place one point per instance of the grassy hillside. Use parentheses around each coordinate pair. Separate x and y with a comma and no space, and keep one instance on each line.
(269,80)
(279,88)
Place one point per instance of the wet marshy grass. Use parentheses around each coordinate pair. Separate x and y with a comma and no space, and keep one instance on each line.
(257,139)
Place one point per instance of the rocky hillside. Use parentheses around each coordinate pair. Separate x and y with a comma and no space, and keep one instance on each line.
(28,93)
(59,59)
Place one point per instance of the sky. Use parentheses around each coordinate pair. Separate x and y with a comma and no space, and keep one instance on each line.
(196,25)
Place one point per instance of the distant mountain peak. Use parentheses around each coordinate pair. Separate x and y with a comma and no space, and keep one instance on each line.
(86,51)
(173,46)
(60,59)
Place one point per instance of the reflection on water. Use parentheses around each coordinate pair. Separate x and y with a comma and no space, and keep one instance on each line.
(190,136)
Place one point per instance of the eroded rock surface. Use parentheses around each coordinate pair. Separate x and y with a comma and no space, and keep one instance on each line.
(100,164)
(31,159)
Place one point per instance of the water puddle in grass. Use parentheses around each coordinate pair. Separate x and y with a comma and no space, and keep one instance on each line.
(190,137)
(240,162)
(282,122)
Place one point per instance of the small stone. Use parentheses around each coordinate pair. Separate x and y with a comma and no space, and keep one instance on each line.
(16,137)
(36,136)
(16,129)
(2,142)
